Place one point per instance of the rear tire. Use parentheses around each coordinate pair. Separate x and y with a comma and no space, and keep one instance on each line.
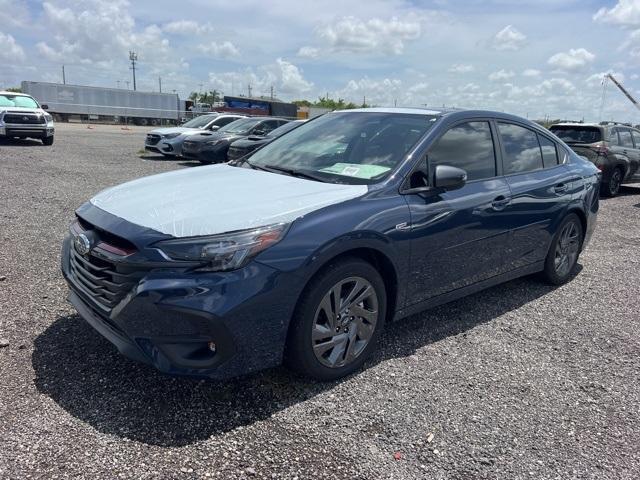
(564,251)
(338,320)
(48,141)
(612,187)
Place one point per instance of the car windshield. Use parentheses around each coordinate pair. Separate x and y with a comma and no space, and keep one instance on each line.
(17,101)
(346,147)
(283,129)
(577,134)
(241,126)
(199,122)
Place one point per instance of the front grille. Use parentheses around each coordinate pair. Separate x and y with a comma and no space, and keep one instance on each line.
(24,119)
(152,139)
(235,152)
(104,281)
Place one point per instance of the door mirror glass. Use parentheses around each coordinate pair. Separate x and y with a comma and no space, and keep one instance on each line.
(214,128)
(446,177)
(258,131)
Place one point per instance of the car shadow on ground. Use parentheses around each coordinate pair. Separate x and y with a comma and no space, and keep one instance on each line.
(162,158)
(89,379)
(9,142)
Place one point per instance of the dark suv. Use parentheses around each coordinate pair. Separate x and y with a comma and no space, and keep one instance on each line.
(613,148)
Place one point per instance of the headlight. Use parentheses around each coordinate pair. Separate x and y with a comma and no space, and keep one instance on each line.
(228,251)
(213,142)
(172,135)
(49,119)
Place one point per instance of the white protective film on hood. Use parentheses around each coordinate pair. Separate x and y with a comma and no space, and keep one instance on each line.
(219,198)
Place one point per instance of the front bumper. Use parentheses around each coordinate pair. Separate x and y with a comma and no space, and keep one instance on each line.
(206,153)
(170,318)
(26,131)
(171,146)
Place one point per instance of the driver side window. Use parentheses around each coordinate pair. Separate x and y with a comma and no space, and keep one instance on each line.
(468,146)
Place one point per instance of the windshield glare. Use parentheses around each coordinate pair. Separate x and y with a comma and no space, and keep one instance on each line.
(199,122)
(241,126)
(347,147)
(17,101)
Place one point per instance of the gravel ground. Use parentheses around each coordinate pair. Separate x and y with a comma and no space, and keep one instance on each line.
(520,381)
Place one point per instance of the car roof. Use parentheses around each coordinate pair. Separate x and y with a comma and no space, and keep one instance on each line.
(578,124)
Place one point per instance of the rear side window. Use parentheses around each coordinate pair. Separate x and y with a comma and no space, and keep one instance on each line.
(468,146)
(625,138)
(636,137)
(577,134)
(521,149)
(221,122)
(549,152)
(613,137)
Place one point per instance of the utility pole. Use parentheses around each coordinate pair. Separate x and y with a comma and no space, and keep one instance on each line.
(64,78)
(133,56)
(160,84)
(127,82)
(118,83)
(271,92)
(249,90)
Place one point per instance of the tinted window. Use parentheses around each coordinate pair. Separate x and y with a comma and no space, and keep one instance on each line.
(636,138)
(468,146)
(221,122)
(613,137)
(521,148)
(268,126)
(577,134)
(549,152)
(625,137)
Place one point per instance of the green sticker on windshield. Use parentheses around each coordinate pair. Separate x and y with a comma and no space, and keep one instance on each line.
(356,170)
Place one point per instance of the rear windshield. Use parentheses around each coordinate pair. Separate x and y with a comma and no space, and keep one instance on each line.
(576,134)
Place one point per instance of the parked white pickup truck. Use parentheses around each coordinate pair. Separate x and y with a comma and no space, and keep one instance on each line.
(21,116)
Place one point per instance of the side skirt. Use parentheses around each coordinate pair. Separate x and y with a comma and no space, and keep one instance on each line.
(465,291)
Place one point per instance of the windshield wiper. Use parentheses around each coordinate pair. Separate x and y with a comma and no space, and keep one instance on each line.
(295,173)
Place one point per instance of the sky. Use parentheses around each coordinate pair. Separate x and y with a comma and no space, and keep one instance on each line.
(535,58)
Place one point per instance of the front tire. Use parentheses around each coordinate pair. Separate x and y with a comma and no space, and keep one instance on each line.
(338,320)
(564,251)
(48,141)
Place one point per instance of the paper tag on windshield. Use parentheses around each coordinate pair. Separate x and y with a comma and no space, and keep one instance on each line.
(351,171)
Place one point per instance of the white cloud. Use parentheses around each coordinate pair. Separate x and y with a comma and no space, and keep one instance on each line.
(625,13)
(225,49)
(351,34)
(501,75)
(309,52)
(10,51)
(531,72)
(187,27)
(509,38)
(573,60)
(461,68)
(286,78)
(13,14)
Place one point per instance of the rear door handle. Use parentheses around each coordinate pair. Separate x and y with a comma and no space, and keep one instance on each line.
(500,203)
(561,188)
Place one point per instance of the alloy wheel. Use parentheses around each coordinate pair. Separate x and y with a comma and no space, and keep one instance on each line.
(567,249)
(615,182)
(344,322)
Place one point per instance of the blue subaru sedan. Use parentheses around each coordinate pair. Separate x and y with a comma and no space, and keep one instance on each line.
(302,251)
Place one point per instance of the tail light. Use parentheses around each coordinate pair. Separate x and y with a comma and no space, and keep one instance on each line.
(601,148)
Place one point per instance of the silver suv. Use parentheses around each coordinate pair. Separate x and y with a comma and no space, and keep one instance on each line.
(21,116)
(168,141)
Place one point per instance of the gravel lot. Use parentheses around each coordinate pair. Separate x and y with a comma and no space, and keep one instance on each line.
(520,381)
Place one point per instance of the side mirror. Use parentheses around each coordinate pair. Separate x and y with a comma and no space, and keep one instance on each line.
(214,128)
(259,132)
(449,178)
(44,106)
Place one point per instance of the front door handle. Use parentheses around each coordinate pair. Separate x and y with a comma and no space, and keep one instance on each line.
(500,203)
(561,188)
